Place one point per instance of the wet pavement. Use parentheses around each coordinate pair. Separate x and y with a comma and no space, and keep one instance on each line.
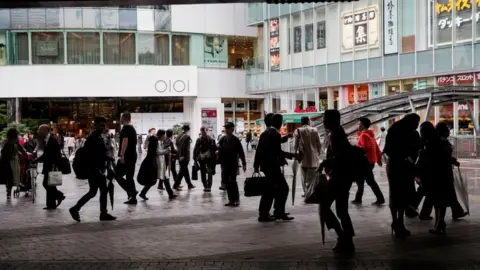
(196,231)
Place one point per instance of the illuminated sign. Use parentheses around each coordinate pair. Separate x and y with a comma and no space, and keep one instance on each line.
(460,5)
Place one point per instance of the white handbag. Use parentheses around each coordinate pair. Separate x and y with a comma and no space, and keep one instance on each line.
(54,178)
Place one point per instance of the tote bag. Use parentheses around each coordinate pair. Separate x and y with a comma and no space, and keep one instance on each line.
(54,178)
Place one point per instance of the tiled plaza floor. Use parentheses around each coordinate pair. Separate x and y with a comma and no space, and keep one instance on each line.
(198,232)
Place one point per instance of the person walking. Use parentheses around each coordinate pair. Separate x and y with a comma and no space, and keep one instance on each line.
(98,156)
(139,143)
(183,152)
(151,132)
(402,145)
(11,161)
(340,164)
(366,141)
(308,149)
(229,151)
(249,138)
(70,145)
(127,159)
(269,158)
(163,152)
(149,169)
(204,156)
(50,158)
(79,142)
(31,145)
(171,159)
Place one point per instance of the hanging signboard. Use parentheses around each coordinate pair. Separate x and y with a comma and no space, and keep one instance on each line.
(390,29)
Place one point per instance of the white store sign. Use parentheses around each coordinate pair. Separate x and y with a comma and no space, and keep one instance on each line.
(390,26)
(98,81)
(360,29)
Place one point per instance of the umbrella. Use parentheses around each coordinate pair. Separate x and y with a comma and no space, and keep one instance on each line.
(294,179)
(461,189)
(110,186)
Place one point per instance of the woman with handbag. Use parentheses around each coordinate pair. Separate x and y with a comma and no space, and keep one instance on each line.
(10,160)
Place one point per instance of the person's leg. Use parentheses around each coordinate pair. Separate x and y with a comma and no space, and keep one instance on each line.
(102,185)
(281,195)
(143,193)
(341,207)
(130,173)
(426,208)
(166,183)
(187,174)
(203,174)
(227,176)
(50,193)
(93,184)
(304,179)
(173,168)
(210,170)
(267,197)
(179,177)
(370,180)
(360,190)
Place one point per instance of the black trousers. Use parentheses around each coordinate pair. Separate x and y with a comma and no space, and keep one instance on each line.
(370,180)
(173,168)
(344,226)
(205,174)
(229,175)
(53,194)
(127,169)
(183,173)
(165,183)
(96,182)
(276,189)
(427,206)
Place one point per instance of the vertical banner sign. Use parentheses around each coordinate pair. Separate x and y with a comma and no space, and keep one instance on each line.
(209,120)
(274,45)
(390,27)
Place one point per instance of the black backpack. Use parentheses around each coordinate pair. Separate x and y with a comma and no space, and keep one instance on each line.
(80,164)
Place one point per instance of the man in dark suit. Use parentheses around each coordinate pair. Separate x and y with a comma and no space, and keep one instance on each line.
(50,158)
(269,158)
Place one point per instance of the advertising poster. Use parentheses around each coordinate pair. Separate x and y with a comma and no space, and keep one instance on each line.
(360,29)
(216,52)
(274,45)
(209,120)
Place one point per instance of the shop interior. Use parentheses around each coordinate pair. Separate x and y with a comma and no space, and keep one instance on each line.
(244,112)
(241,51)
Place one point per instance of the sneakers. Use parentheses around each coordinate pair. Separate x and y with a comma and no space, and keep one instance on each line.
(107,217)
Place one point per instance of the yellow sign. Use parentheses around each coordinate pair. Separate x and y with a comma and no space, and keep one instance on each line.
(459,6)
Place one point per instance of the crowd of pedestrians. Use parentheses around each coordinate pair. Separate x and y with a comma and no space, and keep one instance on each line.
(425,157)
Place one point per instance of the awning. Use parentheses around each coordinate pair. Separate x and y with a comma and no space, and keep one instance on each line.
(294,118)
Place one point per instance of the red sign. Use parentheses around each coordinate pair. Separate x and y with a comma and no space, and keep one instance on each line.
(445,80)
(464,78)
(362,93)
(209,113)
(459,79)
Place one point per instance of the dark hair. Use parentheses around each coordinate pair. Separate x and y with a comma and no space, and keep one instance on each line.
(150,130)
(277,121)
(268,119)
(161,132)
(331,119)
(100,120)
(203,129)
(427,131)
(30,132)
(169,133)
(127,116)
(12,134)
(411,120)
(365,122)
(305,120)
(186,128)
(382,129)
(442,129)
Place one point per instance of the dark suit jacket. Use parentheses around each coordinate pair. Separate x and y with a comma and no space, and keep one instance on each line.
(269,155)
(51,155)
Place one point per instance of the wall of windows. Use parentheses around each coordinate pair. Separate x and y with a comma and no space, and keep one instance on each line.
(153,49)
(83,48)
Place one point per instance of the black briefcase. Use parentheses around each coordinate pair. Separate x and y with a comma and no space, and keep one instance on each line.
(255,185)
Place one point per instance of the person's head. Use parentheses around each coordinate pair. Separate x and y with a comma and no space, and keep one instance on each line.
(161,134)
(268,120)
(363,124)
(305,120)
(100,124)
(382,129)
(31,135)
(223,132)
(229,128)
(411,121)
(186,128)
(12,134)
(277,121)
(152,131)
(442,129)
(427,131)
(331,119)
(43,131)
(126,118)
(203,131)
(169,133)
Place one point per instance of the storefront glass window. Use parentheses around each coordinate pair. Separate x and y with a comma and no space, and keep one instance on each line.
(444,23)
(392,87)
(407,8)
(19,53)
(465,122)
(310,106)
(83,48)
(240,51)
(276,103)
(323,100)
(180,50)
(47,48)
(298,101)
(153,49)
(119,48)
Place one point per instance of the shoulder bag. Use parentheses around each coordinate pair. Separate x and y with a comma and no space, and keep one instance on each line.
(54,178)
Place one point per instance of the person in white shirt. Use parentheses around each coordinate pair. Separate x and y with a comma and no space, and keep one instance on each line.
(381,137)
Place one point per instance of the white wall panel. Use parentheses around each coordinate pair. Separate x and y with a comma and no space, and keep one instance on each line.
(222,83)
(145,20)
(221,19)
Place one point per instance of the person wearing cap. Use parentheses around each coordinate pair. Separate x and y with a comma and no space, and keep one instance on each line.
(367,141)
(229,151)
(183,153)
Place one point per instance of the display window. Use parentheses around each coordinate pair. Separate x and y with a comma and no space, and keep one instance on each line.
(392,87)
(362,93)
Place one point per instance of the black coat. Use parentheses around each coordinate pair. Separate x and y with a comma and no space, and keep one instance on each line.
(269,155)
(148,173)
(51,155)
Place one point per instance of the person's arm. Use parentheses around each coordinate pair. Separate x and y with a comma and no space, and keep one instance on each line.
(297,140)
(196,149)
(241,153)
(318,144)
(258,154)
(161,151)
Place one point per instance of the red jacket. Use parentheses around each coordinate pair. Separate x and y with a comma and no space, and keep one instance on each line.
(367,141)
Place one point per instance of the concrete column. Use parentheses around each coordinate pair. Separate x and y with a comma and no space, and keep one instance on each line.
(18,112)
(340,98)
(455,118)
(330,98)
(355,94)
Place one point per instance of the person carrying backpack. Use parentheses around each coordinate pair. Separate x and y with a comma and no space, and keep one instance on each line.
(93,158)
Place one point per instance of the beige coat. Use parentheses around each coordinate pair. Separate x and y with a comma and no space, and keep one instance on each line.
(307,141)
(161,161)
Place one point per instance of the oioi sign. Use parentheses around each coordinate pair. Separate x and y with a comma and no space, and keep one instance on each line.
(172,86)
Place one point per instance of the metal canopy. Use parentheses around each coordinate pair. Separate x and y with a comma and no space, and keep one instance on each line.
(385,108)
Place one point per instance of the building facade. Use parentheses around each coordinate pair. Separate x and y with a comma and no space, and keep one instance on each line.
(166,64)
(319,56)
